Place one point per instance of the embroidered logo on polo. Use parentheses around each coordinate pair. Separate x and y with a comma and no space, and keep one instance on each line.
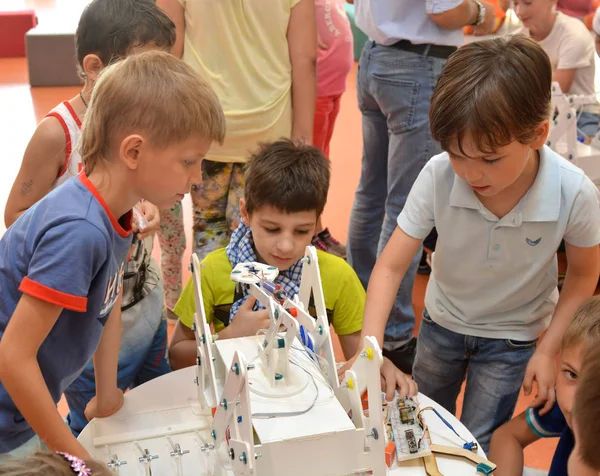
(531,242)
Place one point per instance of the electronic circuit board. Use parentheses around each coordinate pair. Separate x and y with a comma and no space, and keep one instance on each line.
(407,429)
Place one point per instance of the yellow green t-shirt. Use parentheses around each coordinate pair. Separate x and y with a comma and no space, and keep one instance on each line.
(343,293)
(241,48)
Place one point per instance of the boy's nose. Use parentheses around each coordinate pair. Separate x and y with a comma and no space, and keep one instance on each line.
(285,245)
(196,175)
(473,175)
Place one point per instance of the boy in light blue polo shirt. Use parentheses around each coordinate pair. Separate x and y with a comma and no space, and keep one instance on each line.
(501,202)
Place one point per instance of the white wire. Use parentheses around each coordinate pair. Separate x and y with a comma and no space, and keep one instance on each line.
(295,413)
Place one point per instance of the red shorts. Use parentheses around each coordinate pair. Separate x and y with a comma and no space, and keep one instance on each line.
(326,112)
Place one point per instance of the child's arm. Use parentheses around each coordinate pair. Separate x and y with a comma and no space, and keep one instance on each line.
(176,11)
(565,78)
(351,344)
(20,373)
(42,162)
(580,283)
(109,397)
(182,349)
(302,41)
(508,443)
(385,280)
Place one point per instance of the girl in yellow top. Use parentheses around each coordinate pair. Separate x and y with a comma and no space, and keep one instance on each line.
(260,58)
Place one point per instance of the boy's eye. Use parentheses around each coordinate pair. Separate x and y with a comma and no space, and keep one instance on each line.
(491,161)
(271,230)
(570,375)
(303,232)
(190,162)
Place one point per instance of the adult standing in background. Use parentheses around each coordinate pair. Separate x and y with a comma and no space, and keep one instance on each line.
(410,41)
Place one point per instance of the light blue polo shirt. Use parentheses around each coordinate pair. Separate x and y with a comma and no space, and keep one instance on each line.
(389,21)
(497,278)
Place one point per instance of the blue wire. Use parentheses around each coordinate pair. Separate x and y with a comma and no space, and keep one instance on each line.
(467,445)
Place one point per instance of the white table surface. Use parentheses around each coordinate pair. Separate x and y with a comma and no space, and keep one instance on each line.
(177,389)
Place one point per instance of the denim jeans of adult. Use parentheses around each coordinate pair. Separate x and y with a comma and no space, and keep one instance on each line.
(494,370)
(142,356)
(394,92)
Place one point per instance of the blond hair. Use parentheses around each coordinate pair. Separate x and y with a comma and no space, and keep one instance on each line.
(586,408)
(585,326)
(48,464)
(153,94)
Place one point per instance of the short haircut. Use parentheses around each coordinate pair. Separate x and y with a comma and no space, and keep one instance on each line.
(153,94)
(289,175)
(48,464)
(496,91)
(585,326)
(586,408)
(111,28)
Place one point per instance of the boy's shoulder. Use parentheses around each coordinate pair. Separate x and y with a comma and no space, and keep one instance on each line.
(555,169)
(218,262)
(331,264)
(574,26)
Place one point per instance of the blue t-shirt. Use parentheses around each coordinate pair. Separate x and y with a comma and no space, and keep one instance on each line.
(68,249)
(550,425)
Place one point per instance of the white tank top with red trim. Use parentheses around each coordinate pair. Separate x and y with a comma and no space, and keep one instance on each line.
(71,125)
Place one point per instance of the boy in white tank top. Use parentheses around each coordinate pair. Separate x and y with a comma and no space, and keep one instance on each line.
(52,158)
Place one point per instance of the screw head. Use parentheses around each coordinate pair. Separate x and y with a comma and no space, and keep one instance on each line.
(231,454)
(243,458)
(213,434)
(235,368)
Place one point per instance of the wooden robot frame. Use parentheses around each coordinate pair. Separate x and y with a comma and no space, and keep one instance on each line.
(265,405)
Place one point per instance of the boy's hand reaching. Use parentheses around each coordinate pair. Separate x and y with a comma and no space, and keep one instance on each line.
(393,378)
(110,405)
(247,322)
(542,369)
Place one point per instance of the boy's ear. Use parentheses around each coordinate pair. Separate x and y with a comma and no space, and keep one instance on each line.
(92,65)
(541,135)
(244,213)
(129,151)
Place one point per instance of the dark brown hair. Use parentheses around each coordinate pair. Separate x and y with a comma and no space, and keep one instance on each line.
(48,464)
(497,91)
(111,28)
(586,409)
(289,175)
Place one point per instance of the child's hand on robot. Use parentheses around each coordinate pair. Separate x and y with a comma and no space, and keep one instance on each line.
(109,405)
(247,322)
(146,219)
(393,378)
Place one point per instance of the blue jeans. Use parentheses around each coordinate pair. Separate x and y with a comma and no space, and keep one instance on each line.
(394,92)
(588,124)
(494,369)
(28,448)
(142,356)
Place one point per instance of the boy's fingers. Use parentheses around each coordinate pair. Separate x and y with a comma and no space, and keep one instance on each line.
(249,302)
(528,382)
(413,388)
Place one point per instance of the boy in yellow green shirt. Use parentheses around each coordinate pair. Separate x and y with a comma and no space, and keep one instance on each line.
(284,195)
